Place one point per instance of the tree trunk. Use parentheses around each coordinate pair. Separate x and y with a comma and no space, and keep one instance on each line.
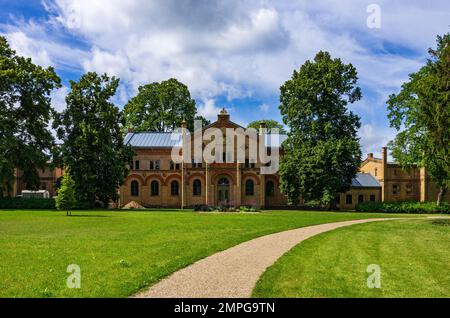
(441,193)
(67,213)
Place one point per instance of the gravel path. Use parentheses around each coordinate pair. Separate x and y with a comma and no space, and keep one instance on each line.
(234,272)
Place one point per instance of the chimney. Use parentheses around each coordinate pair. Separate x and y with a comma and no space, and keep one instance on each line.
(130,129)
(383,181)
(384,155)
(223,116)
(370,155)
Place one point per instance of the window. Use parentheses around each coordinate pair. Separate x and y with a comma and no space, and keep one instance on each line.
(395,189)
(395,172)
(134,188)
(409,188)
(338,199)
(372,198)
(348,199)
(154,188)
(360,198)
(270,189)
(43,186)
(131,165)
(376,172)
(197,187)
(136,165)
(249,187)
(174,188)
(154,165)
(172,165)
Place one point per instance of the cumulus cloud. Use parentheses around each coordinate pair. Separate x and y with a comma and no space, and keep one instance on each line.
(235,49)
(22,44)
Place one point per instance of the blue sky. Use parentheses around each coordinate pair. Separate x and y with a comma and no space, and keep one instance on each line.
(232,54)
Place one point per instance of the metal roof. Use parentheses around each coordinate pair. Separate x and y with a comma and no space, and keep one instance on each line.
(365,180)
(168,140)
(153,139)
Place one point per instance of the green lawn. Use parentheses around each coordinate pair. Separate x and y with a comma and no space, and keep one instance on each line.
(413,255)
(122,252)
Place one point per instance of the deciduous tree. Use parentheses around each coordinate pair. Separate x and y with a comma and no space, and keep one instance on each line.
(270,124)
(322,152)
(25,113)
(93,145)
(421,114)
(66,199)
(161,107)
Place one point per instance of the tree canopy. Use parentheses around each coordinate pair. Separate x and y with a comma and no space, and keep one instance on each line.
(421,114)
(25,113)
(161,107)
(322,153)
(270,124)
(93,146)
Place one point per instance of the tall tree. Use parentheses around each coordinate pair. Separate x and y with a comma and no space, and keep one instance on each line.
(93,147)
(25,113)
(161,107)
(322,152)
(421,114)
(270,124)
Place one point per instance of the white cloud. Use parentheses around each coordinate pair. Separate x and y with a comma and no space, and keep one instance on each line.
(58,97)
(264,108)
(374,137)
(24,46)
(208,109)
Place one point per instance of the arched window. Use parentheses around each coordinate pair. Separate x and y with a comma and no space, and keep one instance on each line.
(174,187)
(134,188)
(154,188)
(197,187)
(270,188)
(249,187)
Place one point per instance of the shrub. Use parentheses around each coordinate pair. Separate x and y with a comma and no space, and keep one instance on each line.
(252,208)
(27,203)
(203,208)
(403,207)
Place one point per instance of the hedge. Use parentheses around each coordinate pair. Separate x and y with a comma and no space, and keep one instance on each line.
(27,203)
(36,203)
(404,207)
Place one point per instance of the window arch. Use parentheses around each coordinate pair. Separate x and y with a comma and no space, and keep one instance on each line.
(134,188)
(197,187)
(174,187)
(249,187)
(154,188)
(270,188)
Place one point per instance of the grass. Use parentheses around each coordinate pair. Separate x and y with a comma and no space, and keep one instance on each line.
(413,256)
(120,253)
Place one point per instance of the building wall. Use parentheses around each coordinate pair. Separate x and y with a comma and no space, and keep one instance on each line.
(366,194)
(47,176)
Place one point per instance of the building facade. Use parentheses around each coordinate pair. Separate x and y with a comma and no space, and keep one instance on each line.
(156,181)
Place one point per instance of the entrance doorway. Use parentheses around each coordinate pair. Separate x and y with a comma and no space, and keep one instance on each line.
(223,191)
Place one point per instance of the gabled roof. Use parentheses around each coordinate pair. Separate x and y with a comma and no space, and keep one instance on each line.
(365,180)
(153,140)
